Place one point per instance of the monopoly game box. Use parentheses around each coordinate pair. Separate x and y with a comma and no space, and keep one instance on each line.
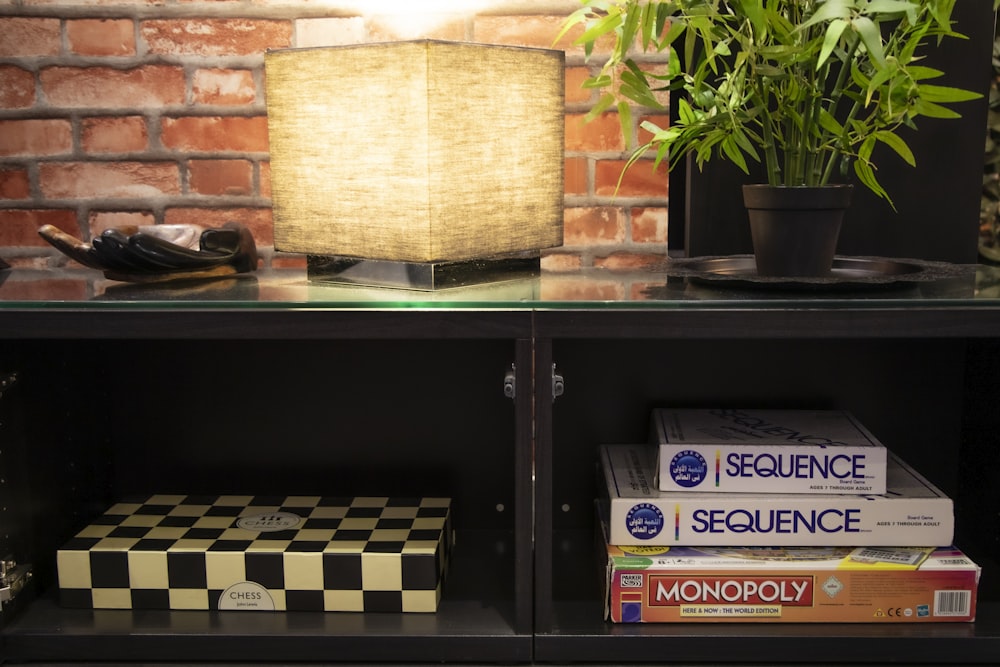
(791,584)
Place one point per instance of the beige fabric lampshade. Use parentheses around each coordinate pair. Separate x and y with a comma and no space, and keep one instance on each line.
(420,151)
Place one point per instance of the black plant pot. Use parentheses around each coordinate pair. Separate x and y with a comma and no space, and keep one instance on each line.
(795,228)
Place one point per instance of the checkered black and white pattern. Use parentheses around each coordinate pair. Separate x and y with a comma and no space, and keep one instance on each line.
(295,552)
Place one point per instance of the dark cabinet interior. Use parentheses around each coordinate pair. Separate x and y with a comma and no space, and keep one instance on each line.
(931,399)
(342,396)
(105,420)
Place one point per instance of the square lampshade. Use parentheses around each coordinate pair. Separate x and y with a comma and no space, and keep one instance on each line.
(425,152)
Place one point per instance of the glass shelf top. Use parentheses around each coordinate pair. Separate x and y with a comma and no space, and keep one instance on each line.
(969,286)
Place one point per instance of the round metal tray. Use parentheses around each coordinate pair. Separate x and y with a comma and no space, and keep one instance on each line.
(847,273)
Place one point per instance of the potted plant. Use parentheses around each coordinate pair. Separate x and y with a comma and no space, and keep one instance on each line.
(807,88)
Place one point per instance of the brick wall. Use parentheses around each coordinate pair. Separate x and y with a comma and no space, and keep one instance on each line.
(120,112)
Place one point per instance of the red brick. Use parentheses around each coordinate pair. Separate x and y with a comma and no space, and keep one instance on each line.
(265,179)
(114,134)
(215,133)
(14,183)
(531,30)
(220,177)
(21,36)
(224,86)
(575,92)
(593,226)
(576,176)
(85,180)
(560,261)
(649,225)
(603,133)
(17,87)
(101,37)
(628,260)
(330,31)
(283,261)
(215,37)
(646,291)
(639,181)
(258,220)
(19,227)
(61,289)
(576,289)
(35,137)
(102,220)
(390,27)
(104,87)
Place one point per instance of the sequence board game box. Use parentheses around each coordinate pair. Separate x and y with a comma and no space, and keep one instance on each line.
(773,451)
(790,585)
(913,511)
(265,553)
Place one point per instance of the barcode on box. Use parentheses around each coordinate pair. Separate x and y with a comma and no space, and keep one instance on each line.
(952,603)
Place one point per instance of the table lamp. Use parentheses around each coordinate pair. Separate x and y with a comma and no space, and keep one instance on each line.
(421,164)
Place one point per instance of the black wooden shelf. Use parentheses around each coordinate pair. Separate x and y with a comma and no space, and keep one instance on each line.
(349,376)
(475,622)
(579,636)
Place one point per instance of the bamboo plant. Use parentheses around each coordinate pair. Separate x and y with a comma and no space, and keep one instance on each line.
(808,87)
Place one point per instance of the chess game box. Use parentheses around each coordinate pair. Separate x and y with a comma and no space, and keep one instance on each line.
(913,511)
(282,553)
(772,451)
(790,585)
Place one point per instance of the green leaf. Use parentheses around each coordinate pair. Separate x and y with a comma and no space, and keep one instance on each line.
(829,10)
(648,26)
(830,41)
(829,123)
(735,155)
(866,149)
(872,39)
(745,144)
(625,120)
(684,112)
(754,11)
(597,82)
(652,128)
(641,95)
(881,76)
(606,102)
(920,73)
(892,7)
(932,93)
(866,175)
(629,27)
(606,25)
(579,16)
(931,110)
(893,141)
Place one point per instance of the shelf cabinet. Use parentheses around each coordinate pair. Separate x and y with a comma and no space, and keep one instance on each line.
(199,397)
(274,385)
(912,392)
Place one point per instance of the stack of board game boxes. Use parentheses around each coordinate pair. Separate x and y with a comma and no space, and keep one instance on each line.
(775,515)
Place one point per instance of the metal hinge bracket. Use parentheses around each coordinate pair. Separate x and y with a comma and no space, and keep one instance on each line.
(558,384)
(510,382)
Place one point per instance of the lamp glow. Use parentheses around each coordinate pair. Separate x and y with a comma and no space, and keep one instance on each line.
(425,152)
